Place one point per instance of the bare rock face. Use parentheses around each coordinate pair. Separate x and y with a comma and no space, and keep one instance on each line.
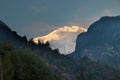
(101,42)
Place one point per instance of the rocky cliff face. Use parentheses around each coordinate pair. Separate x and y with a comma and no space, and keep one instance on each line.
(101,42)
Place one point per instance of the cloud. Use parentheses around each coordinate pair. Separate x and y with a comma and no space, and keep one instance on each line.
(37,29)
(107,12)
(86,22)
(62,38)
(111,12)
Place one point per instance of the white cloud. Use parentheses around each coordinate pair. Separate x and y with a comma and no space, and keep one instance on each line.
(84,22)
(92,18)
(107,12)
(62,38)
(37,29)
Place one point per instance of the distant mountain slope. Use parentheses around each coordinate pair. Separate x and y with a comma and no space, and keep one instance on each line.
(62,38)
(101,42)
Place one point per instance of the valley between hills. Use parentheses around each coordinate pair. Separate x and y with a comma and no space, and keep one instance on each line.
(96,55)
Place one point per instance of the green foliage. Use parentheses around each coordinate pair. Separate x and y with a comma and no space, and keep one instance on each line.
(6,46)
(8,69)
(23,65)
(67,68)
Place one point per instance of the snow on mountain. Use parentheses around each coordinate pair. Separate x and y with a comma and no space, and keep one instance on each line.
(63,38)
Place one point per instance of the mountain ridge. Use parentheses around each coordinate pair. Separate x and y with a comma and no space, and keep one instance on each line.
(101,42)
(65,67)
(8,35)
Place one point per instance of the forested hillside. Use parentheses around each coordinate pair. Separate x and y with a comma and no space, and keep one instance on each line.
(23,65)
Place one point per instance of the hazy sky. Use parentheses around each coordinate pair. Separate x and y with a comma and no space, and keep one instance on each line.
(39,17)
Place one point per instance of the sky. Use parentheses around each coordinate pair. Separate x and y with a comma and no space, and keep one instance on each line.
(39,17)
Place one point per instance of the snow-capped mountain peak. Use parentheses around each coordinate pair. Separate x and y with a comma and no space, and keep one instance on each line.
(63,38)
